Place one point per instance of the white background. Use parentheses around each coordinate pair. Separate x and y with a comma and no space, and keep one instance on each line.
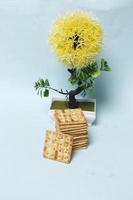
(105,170)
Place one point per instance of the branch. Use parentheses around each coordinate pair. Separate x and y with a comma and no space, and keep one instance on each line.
(59,91)
(42,87)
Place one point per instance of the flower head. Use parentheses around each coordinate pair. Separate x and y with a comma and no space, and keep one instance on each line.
(76,38)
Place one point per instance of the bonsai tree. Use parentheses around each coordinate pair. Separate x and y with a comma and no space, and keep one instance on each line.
(77,39)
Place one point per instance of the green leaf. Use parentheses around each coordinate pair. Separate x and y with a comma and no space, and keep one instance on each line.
(73,79)
(83,85)
(46,93)
(96,73)
(104,65)
(47,82)
(82,75)
(42,82)
(39,82)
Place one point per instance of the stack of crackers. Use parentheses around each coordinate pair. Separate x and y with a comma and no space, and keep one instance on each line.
(73,122)
(71,134)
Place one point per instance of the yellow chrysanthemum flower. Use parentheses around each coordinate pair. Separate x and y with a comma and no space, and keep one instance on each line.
(76,38)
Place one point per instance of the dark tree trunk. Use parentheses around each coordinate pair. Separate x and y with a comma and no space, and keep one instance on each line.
(72,100)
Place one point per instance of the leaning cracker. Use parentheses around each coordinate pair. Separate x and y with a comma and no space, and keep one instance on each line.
(58,146)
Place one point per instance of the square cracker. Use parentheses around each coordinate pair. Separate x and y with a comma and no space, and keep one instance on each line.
(70,116)
(58,146)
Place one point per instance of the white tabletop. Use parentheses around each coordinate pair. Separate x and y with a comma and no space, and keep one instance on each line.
(105,170)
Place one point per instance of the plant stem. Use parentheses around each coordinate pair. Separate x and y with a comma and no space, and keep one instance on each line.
(61,92)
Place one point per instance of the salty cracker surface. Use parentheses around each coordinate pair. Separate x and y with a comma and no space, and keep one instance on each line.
(70,116)
(58,146)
